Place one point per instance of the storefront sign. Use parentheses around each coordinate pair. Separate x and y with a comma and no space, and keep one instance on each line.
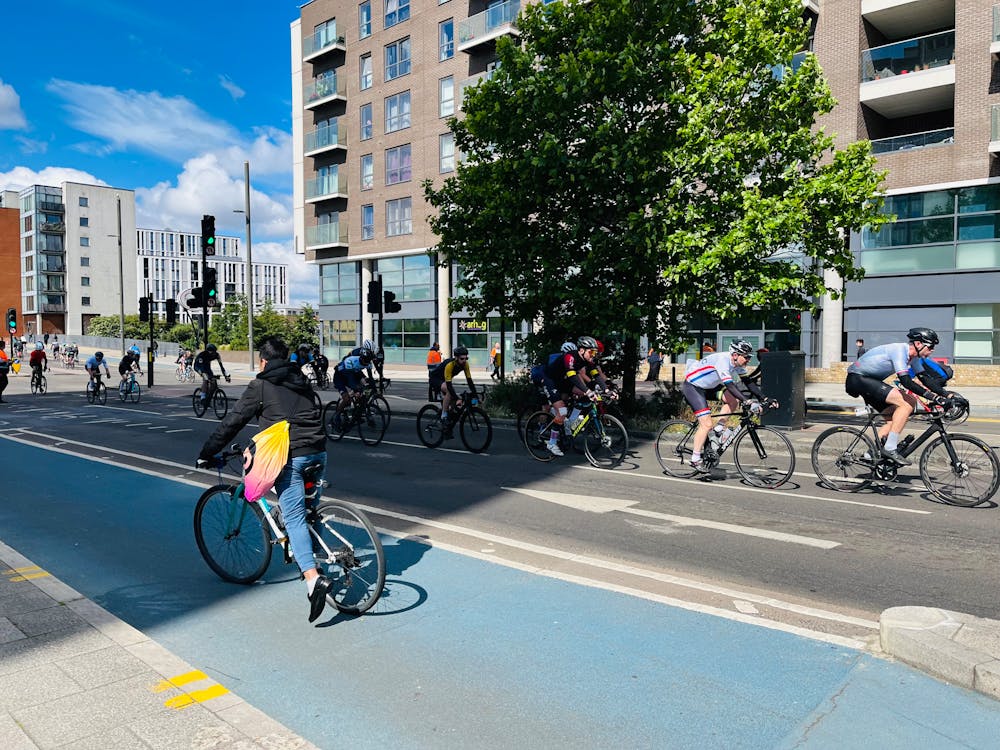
(472,326)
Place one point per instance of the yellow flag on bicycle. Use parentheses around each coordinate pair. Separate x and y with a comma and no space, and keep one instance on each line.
(263,460)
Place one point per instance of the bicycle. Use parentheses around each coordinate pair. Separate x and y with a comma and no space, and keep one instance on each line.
(129,390)
(220,404)
(763,456)
(184,373)
(958,469)
(473,422)
(97,393)
(236,538)
(363,411)
(39,385)
(605,439)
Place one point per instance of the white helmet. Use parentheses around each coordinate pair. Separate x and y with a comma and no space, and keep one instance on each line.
(369,345)
(39,345)
(568,347)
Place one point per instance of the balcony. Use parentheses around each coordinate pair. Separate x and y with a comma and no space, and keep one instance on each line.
(328,187)
(324,236)
(53,307)
(943,137)
(322,42)
(910,77)
(324,90)
(52,227)
(486,26)
(51,207)
(995,130)
(779,71)
(995,39)
(473,81)
(326,138)
(899,19)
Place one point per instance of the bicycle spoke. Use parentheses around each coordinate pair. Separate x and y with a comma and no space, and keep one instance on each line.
(350,552)
(764,457)
(969,479)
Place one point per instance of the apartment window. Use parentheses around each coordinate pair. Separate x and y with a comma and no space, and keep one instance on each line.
(446,39)
(84,281)
(411,277)
(368,222)
(85,242)
(366,121)
(446,153)
(339,283)
(84,202)
(85,301)
(84,261)
(367,172)
(366,71)
(398,217)
(397,59)
(446,96)
(84,221)
(397,112)
(364,20)
(397,165)
(396,11)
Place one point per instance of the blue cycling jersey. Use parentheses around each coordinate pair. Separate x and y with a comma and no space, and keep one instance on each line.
(93,363)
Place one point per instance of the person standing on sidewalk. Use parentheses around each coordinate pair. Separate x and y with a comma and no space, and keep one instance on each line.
(655,360)
(861,348)
(433,360)
(4,369)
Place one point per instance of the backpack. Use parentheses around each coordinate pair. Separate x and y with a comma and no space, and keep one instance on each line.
(939,372)
(263,459)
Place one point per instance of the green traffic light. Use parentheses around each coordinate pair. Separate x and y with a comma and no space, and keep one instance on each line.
(211,240)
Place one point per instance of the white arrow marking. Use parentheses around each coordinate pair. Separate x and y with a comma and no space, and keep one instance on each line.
(607,504)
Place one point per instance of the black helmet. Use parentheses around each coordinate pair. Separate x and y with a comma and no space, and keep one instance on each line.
(211,348)
(925,335)
(461,351)
(586,342)
(98,355)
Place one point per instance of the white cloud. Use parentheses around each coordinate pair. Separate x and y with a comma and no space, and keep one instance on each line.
(303,278)
(234,91)
(31,146)
(21,177)
(11,116)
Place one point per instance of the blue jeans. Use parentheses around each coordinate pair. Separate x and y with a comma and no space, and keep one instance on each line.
(292,499)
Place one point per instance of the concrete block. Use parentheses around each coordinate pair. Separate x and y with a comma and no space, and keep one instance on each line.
(118,631)
(987,678)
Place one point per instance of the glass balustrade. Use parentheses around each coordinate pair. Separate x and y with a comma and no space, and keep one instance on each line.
(321,40)
(910,56)
(333,183)
(326,137)
(489,21)
(911,141)
(326,234)
(321,88)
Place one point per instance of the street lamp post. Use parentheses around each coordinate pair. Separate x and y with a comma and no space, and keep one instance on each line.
(121,276)
(246,212)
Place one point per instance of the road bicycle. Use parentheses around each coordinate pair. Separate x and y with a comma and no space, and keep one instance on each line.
(957,469)
(473,422)
(39,384)
(220,404)
(129,390)
(97,393)
(364,412)
(236,537)
(763,456)
(184,373)
(605,439)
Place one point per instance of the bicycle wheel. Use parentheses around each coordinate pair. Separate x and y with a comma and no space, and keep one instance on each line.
(123,391)
(476,429)
(232,534)
(384,406)
(349,552)
(429,428)
(101,395)
(605,442)
(333,427)
(198,403)
(537,431)
(34,385)
(673,448)
(91,393)
(522,416)
(134,392)
(372,425)
(843,459)
(971,479)
(43,385)
(764,457)
(220,404)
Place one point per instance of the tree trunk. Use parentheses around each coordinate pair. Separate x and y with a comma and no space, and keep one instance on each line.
(630,365)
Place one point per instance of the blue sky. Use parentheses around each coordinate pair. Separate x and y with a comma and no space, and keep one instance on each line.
(167,99)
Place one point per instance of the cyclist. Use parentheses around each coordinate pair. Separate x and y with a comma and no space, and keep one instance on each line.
(71,352)
(129,364)
(703,377)
(184,361)
(866,376)
(301,356)
(203,366)
(441,381)
(321,365)
(575,373)
(279,392)
(38,360)
(348,377)
(93,368)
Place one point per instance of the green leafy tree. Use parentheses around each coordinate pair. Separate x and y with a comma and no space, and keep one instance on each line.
(269,323)
(304,327)
(635,164)
(230,326)
(110,325)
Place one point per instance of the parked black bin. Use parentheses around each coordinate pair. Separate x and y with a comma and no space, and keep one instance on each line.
(783,377)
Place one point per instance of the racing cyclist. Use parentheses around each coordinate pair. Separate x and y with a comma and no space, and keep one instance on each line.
(203,366)
(569,373)
(38,360)
(348,377)
(129,364)
(441,378)
(93,368)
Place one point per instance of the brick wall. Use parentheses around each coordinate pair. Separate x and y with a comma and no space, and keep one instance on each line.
(965,375)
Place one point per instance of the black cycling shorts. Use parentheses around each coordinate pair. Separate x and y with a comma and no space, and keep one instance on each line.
(697,398)
(872,390)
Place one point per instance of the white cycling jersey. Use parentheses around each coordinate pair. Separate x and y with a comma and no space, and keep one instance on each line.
(712,371)
(883,361)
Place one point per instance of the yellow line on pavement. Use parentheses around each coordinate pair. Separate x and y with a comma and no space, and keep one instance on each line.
(25,574)
(182,679)
(198,696)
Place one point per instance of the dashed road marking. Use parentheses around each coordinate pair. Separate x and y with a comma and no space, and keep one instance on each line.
(25,574)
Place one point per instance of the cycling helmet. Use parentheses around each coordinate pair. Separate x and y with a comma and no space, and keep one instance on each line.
(600,347)
(369,345)
(924,335)
(568,347)
(211,348)
(98,355)
(461,352)
(586,342)
(741,347)
(39,345)
(135,349)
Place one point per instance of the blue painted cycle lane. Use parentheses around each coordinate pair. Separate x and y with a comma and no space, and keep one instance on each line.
(465,653)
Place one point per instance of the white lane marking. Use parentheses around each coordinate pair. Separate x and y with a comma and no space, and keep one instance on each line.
(139,424)
(745,607)
(608,505)
(761,490)
(169,431)
(130,411)
(160,427)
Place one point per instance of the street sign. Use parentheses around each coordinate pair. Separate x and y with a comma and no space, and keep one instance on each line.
(184,296)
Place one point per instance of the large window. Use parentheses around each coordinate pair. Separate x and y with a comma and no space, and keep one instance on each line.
(365,68)
(365,19)
(977,334)
(446,152)
(446,39)
(367,172)
(397,112)
(396,11)
(368,222)
(339,283)
(397,165)
(366,121)
(339,337)
(398,217)
(397,59)
(446,96)
(406,340)
(410,277)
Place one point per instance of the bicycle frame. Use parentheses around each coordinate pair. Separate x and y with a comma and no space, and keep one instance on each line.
(933,429)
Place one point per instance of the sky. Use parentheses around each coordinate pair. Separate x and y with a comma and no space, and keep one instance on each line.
(167,99)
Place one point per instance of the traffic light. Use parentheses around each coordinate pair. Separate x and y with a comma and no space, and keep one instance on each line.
(196,300)
(11,319)
(390,303)
(208,235)
(171,312)
(211,291)
(375,296)
(144,309)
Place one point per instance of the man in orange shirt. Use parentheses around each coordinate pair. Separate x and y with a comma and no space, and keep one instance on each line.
(433,360)
(4,367)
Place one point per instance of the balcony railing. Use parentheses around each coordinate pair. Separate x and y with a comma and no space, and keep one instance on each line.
(328,186)
(326,137)
(51,307)
(995,128)
(53,227)
(321,89)
(996,23)
(473,81)
(322,41)
(942,137)
(797,59)
(50,206)
(326,234)
(910,56)
(491,23)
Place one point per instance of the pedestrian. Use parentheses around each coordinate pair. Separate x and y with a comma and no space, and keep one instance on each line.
(4,369)
(495,359)
(861,347)
(45,339)
(655,360)
(433,360)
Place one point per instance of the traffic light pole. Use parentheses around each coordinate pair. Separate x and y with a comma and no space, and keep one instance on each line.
(381,313)
(150,353)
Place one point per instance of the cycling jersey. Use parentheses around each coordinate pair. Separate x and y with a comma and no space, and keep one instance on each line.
(93,363)
(203,363)
(713,371)
(883,361)
(350,363)
(130,360)
(448,369)
(37,358)
(566,370)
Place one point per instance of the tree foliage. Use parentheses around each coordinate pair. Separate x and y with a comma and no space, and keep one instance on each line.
(635,164)
(304,328)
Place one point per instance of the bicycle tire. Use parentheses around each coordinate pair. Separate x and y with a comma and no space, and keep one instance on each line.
(839,459)
(537,431)
(771,470)
(605,442)
(429,428)
(372,425)
(234,540)
(91,394)
(43,386)
(357,568)
(384,406)
(198,403)
(476,429)
(526,411)
(35,385)
(123,391)
(220,404)
(673,448)
(952,483)
(330,428)
(135,392)
(102,394)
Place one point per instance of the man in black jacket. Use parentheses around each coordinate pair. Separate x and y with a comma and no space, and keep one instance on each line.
(280,392)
